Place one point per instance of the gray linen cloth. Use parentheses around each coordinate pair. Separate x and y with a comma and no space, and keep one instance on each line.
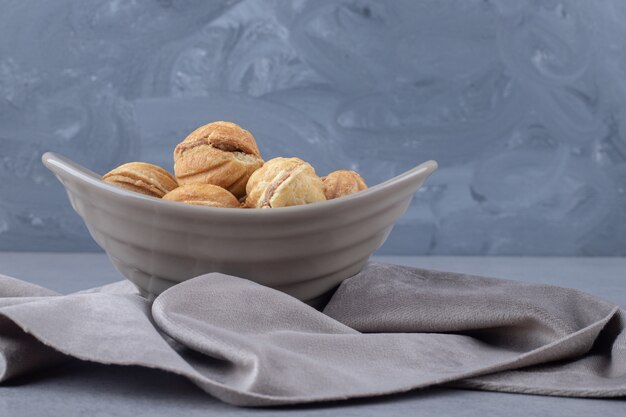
(388,329)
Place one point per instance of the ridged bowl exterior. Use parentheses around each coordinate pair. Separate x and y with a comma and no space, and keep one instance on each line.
(304,251)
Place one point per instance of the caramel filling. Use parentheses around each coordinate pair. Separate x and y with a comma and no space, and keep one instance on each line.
(269,191)
(217,143)
(139,180)
(135,184)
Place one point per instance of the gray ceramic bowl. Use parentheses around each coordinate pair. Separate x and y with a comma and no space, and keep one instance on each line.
(304,251)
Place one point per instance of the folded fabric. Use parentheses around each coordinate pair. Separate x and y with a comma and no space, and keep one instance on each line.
(388,329)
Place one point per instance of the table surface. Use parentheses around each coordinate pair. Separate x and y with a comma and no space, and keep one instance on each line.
(79,388)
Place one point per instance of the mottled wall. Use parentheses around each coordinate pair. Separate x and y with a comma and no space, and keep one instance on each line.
(522,103)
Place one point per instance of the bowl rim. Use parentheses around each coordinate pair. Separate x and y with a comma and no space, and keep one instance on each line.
(61,165)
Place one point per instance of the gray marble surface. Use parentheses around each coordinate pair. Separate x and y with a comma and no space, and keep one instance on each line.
(78,389)
(522,102)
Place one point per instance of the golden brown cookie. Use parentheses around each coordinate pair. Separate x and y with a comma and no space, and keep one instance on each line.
(219,153)
(203,195)
(143,178)
(283,182)
(340,183)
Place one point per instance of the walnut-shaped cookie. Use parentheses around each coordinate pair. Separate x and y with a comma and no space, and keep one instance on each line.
(341,183)
(283,182)
(143,178)
(203,195)
(219,153)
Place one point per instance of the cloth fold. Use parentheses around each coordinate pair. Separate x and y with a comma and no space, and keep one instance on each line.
(388,329)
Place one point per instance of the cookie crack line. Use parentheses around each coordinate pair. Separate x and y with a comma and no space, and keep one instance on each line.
(138,181)
(216,143)
(148,181)
(269,191)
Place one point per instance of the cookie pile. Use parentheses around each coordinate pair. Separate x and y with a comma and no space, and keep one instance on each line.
(219,165)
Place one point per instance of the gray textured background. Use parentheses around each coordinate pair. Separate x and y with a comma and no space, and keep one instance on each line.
(522,103)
